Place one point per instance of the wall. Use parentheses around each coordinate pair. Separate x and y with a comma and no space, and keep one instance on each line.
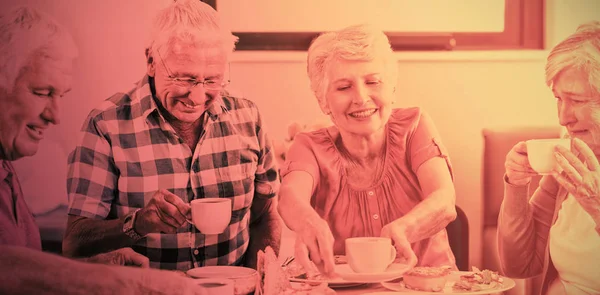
(463,91)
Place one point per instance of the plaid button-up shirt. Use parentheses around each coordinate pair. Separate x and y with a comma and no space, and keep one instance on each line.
(128,152)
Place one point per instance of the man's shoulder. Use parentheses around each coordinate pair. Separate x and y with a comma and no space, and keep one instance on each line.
(233,103)
(123,105)
(241,110)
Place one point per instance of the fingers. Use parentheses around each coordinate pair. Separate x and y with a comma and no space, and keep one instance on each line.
(313,251)
(162,214)
(326,250)
(564,182)
(586,154)
(175,207)
(166,223)
(570,164)
(403,248)
(518,169)
(520,148)
(302,256)
(316,239)
(401,243)
(133,258)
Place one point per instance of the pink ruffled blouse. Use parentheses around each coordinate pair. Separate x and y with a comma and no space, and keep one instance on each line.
(352,211)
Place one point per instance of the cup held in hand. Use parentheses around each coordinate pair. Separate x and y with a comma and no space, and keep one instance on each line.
(211,216)
(540,153)
(370,254)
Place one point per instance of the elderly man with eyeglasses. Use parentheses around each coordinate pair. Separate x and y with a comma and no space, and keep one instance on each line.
(175,137)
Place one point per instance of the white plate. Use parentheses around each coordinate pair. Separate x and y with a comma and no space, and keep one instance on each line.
(334,283)
(244,279)
(331,282)
(220,271)
(394,271)
(507,284)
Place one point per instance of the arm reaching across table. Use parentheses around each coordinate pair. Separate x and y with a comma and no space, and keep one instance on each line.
(25,271)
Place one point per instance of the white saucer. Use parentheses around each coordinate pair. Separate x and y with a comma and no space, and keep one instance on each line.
(394,271)
(333,283)
(244,279)
(220,271)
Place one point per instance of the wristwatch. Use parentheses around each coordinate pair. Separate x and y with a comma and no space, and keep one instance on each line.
(128,226)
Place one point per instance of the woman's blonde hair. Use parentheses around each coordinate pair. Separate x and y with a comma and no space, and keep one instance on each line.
(356,43)
(580,51)
(25,33)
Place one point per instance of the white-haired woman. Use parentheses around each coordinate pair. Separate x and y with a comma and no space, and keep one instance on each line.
(556,234)
(378,171)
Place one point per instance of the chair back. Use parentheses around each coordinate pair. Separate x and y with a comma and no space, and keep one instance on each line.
(458,237)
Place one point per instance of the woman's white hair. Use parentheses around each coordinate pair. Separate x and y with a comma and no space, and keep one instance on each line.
(580,51)
(355,43)
(26,33)
(192,22)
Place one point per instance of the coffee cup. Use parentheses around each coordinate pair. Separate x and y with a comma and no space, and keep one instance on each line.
(540,154)
(370,254)
(216,286)
(211,216)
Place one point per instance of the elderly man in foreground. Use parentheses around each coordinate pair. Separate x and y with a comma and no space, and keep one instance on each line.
(177,136)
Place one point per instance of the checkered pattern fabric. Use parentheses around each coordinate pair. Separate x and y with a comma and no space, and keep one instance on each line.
(128,152)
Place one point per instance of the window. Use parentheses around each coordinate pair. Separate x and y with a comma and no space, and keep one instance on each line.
(503,24)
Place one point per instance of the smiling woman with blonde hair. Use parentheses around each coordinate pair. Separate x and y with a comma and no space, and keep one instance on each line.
(556,234)
(378,171)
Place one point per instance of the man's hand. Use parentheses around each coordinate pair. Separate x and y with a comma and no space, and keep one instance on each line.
(123,256)
(165,213)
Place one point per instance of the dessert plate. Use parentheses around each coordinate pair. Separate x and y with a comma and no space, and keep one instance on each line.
(333,283)
(394,271)
(398,286)
(244,279)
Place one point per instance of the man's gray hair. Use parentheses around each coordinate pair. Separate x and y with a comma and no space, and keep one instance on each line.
(580,51)
(355,43)
(26,33)
(192,22)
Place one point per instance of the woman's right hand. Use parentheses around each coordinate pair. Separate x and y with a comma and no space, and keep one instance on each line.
(314,242)
(518,170)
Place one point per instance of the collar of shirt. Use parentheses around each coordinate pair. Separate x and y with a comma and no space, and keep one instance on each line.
(4,169)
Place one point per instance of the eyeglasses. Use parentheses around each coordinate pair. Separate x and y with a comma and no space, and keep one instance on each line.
(189,83)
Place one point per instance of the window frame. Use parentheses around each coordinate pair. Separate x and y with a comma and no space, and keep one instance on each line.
(523,29)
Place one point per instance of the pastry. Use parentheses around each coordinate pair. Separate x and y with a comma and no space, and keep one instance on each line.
(429,279)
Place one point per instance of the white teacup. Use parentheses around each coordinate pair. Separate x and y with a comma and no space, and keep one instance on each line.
(370,254)
(540,153)
(211,216)
(216,286)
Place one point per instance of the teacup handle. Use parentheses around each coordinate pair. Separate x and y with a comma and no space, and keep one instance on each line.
(393,253)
